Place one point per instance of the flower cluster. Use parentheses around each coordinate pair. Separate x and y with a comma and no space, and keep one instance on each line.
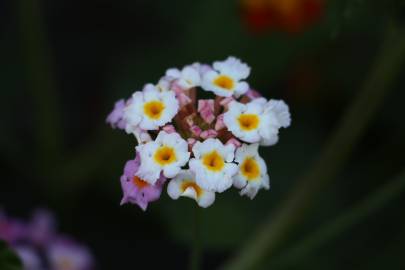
(40,247)
(203,145)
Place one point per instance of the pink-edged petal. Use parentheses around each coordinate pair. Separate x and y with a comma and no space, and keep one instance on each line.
(253,94)
(234,142)
(211,133)
(220,124)
(169,129)
(225,102)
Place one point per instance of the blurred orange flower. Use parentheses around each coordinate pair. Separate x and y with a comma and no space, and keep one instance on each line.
(291,16)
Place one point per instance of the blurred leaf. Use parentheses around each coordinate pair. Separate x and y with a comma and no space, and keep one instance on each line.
(8,260)
(274,232)
(348,219)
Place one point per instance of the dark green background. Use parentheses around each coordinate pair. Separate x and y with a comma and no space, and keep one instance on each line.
(64,63)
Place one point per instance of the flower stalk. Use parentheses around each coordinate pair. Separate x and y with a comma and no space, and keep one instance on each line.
(196,253)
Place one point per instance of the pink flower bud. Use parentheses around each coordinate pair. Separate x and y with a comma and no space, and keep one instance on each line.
(196,130)
(220,122)
(253,94)
(209,134)
(206,110)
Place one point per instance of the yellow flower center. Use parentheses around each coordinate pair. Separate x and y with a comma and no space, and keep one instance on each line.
(250,169)
(213,161)
(154,109)
(224,82)
(139,182)
(248,122)
(165,155)
(191,184)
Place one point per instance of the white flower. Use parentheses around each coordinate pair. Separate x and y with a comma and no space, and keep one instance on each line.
(251,122)
(142,136)
(187,78)
(150,109)
(226,78)
(281,111)
(213,165)
(252,171)
(184,184)
(168,153)
(164,83)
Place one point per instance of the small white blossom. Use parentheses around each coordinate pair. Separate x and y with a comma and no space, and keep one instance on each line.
(251,122)
(150,109)
(186,78)
(184,184)
(281,111)
(226,78)
(167,154)
(252,171)
(213,165)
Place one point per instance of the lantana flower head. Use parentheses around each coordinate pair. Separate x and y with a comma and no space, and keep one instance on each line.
(198,129)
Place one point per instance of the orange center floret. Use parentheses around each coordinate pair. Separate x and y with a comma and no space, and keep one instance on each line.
(165,155)
(224,82)
(250,169)
(154,109)
(139,182)
(190,184)
(213,161)
(248,122)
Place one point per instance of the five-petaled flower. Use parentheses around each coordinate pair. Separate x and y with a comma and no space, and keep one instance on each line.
(202,146)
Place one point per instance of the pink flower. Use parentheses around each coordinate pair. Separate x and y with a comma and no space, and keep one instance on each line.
(115,118)
(42,227)
(66,254)
(206,110)
(137,191)
(29,257)
(11,230)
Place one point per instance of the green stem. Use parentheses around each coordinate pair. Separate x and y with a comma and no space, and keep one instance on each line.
(276,229)
(195,259)
(345,221)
